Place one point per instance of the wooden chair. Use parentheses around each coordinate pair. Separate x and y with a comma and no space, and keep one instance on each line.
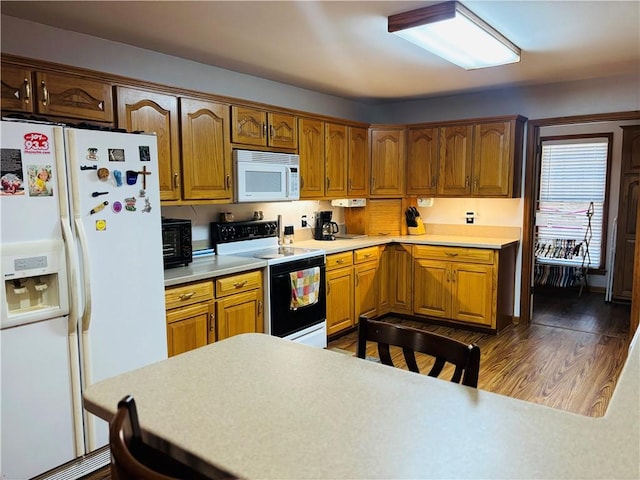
(466,358)
(132,459)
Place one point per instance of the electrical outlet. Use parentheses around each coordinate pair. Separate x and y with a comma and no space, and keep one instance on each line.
(303,221)
(470,217)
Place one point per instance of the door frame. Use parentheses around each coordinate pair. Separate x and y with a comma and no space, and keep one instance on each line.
(531,180)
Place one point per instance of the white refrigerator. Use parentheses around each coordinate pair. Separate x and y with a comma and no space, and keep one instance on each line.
(82,292)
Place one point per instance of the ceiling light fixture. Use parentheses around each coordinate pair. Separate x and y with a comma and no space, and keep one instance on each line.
(453,32)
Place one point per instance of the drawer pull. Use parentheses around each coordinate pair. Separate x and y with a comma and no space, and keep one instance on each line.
(340,261)
(240,284)
(212,323)
(27,90)
(367,255)
(186,296)
(259,307)
(45,94)
(450,254)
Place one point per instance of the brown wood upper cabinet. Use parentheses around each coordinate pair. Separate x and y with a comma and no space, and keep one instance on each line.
(358,183)
(140,110)
(478,159)
(333,159)
(206,152)
(422,161)
(252,126)
(387,161)
(29,91)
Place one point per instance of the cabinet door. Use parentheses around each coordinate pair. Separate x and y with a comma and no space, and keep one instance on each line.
(311,151)
(358,184)
(241,313)
(283,131)
(188,327)
(472,293)
(422,161)
(432,293)
(17,89)
(455,160)
(206,152)
(75,97)
(387,162)
(366,290)
(401,279)
(340,300)
(155,112)
(626,236)
(492,160)
(336,148)
(249,126)
(385,280)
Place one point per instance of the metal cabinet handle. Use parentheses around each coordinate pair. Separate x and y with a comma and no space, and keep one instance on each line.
(240,284)
(448,275)
(451,254)
(357,280)
(228,182)
(340,260)
(186,296)
(301,182)
(433,180)
(476,181)
(212,324)
(264,129)
(27,90)
(466,181)
(351,184)
(176,184)
(45,93)
(259,307)
(328,183)
(272,131)
(454,276)
(328,288)
(367,255)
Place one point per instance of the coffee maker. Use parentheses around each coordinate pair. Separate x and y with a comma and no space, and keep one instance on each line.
(325,229)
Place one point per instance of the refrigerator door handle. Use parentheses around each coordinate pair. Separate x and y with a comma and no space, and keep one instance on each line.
(86,311)
(75,308)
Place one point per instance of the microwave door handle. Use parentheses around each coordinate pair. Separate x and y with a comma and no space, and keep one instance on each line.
(287,177)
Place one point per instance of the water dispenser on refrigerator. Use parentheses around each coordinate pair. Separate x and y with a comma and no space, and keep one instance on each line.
(35,282)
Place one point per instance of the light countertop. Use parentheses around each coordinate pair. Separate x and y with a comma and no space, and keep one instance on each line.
(218,265)
(276,409)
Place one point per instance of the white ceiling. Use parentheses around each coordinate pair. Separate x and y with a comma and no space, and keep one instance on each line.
(343,48)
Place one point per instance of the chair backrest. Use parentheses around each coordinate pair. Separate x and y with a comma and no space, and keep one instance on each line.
(465,358)
(132,459)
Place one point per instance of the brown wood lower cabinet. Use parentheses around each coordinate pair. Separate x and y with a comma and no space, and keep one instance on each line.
(189,316)
(340,292)
(468,285)
(366,281)
(196,317)
(239,304)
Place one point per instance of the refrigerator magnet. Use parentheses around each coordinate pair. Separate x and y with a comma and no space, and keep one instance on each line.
(116,207)
(99,207)
(145,155)
(116,154)
(92,153)
(101,225)
(132,177)
(147,205)
(88,167)
(103,174)
(117,175)
(130,204)
(144,174)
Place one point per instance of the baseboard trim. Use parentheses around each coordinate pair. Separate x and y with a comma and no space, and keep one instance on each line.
(79,467)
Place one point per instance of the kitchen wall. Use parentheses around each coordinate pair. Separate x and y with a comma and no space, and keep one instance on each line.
(69,48)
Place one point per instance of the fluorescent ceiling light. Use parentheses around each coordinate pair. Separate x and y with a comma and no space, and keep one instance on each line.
(453,32)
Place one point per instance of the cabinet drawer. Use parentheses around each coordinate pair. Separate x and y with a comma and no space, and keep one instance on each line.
(454,254)
(366,254)
(188,294)
(338,260)
(242,282)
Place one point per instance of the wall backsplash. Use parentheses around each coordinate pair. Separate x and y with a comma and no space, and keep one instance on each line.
(292,212)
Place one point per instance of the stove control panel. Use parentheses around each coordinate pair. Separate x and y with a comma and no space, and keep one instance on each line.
(225,232)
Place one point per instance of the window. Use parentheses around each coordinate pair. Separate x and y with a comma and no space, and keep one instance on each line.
(573,174)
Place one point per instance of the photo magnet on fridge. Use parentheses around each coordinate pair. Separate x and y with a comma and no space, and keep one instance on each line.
(145,155)
(116,154)
(11,175)
(40,181)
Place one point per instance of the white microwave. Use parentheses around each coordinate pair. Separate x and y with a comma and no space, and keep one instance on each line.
(266,176)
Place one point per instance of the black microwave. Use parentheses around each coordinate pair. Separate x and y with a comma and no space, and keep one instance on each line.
(176,242)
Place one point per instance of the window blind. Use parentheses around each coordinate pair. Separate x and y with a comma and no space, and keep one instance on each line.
(573,174)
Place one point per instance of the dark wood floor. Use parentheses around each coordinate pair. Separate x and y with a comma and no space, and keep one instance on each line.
(569,357)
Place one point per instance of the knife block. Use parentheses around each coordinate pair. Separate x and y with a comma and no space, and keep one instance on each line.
(419,230)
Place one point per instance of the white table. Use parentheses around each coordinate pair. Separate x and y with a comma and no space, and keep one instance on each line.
(263,407)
